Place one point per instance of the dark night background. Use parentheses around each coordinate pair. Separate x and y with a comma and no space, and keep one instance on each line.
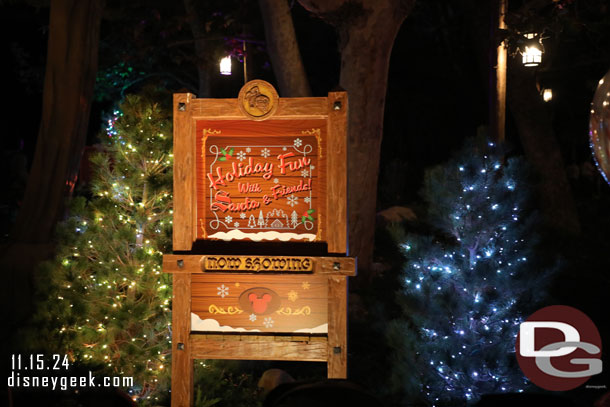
(437,96)
(437,85)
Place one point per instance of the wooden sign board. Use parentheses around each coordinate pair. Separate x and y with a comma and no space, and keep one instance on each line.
(260,168)
(261,181)
(259,303)
(288,315)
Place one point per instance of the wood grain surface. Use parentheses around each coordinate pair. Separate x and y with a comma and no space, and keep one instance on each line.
(209,347)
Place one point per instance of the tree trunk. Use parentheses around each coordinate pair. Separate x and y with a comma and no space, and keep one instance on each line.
(198,30)
(68,90)
(367,29)
(497,73)
(74,29)
(533,121)
(283,49)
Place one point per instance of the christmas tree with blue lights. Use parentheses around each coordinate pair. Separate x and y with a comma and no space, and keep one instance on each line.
(468,284)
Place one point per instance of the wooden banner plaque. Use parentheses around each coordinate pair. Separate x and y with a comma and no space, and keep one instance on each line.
(256,172)
(260,168)
(258,264)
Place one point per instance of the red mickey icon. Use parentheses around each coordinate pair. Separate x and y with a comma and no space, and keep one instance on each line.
(259,300)
(259,305)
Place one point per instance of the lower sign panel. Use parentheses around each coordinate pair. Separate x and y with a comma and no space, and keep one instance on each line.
(259,303)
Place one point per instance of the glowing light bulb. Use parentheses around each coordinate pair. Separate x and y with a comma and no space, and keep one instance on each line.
(225,66)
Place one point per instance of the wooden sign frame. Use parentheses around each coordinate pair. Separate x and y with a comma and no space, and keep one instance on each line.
(188,110)
(240,326)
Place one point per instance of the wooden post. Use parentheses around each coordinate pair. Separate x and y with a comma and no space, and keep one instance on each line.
(337,176)
(497,113)
(337,327)
(184,176)
(182,362)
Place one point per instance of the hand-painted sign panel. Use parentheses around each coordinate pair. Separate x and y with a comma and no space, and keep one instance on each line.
(259,303)
(261,181)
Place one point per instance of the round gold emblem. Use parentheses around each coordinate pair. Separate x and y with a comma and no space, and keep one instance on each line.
(258,99)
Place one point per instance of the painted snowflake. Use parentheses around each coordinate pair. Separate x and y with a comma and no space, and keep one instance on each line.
(252,317)
(293,296)
(236,224)
(275,180)
(241,156)
(312,167)
(242,215)
(265,152)
(268,322)
(298,142)
(305,285)
(228,219)
(248,150)
(293,200)
(305,173)
(307,199)
(223,291)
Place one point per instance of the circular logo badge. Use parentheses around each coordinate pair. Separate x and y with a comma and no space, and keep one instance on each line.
(559,348)
(258,99)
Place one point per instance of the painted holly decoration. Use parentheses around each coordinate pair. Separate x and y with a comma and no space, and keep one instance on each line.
(307,215)
(225,154)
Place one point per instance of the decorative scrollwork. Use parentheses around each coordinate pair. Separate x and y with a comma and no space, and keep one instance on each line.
(318,134)
(288,311)
(307,148)
(207,132)
(311,132)
(214,309)
(215,223)
(308,224)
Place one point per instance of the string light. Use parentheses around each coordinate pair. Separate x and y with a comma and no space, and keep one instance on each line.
(112,277)
(484,233)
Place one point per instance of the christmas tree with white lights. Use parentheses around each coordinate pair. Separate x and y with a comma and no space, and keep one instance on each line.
(106,302)
(468,285)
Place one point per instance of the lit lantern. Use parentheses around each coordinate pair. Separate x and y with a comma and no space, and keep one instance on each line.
(547,95)
(225,66)
(532,54)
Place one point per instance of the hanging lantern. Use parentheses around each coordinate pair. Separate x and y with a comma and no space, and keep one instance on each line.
(532,52)
(599,126)
(225,66)
(547,95)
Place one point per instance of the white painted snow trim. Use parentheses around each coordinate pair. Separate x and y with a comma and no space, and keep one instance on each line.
(260,236)
(211,325)
(320,329)
(198,324)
